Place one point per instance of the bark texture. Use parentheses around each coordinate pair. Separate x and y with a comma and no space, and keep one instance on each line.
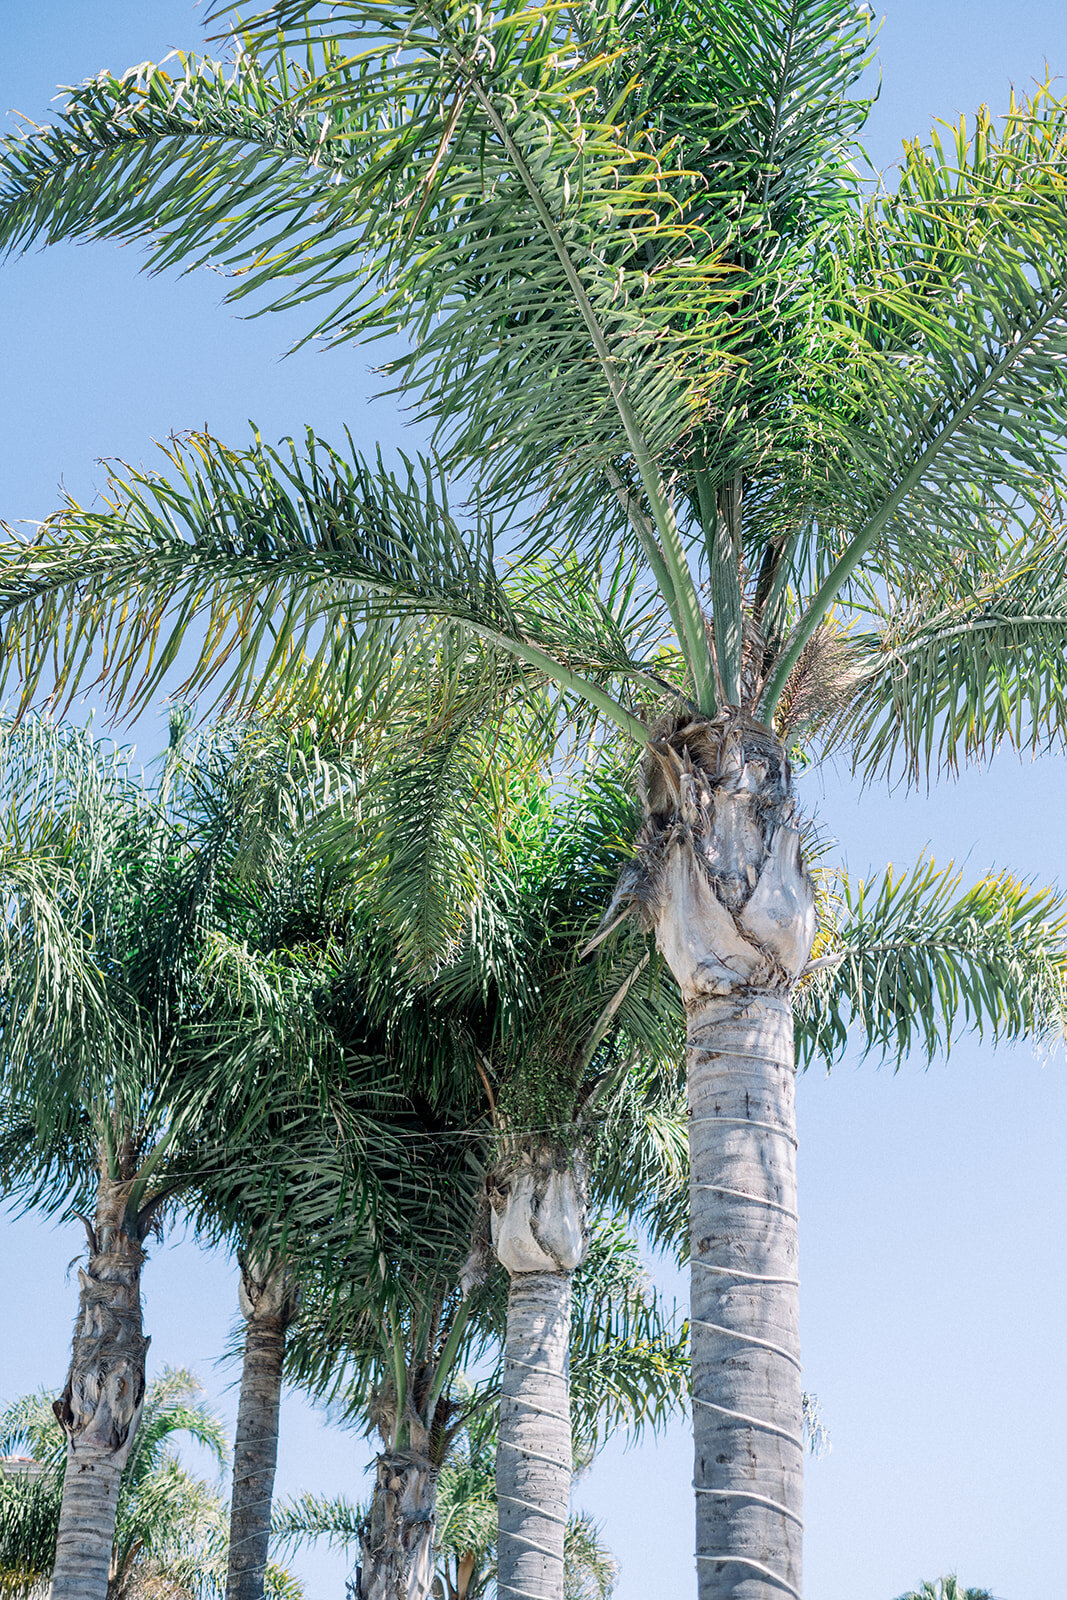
(397,1538)
(540,1233)
(100,1408)
(720,872)
(268,1301)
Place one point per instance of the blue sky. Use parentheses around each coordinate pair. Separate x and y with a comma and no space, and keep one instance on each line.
(934,1257)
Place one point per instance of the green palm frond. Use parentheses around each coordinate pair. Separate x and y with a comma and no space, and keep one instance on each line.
(466,1499)
(29,1523)
(28,1426)
(309,1517)
(908,960)
(959,288)
(947,1589)
(590,1570)
(150,914)
(172,1405)
(618,264)
(288,560)
(949,671)
(429,830)
(238,133)
(629,1354)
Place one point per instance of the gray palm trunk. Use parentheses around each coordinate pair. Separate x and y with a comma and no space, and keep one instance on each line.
(268,1301)
(100,1408)
(721,872)
(540,1233)
(397,1539)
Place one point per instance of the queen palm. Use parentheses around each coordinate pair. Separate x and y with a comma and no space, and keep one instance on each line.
(268,1051)
(946,1589)
(103,912)
(646,293)
(116,896)
(494,1015)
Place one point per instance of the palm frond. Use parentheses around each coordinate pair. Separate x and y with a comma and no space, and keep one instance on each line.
(948,672)
(172,1405)
(629,1354)
(906,961)
(201,146)
(289,561)
(590,1570)
(308,1517)
(959,294)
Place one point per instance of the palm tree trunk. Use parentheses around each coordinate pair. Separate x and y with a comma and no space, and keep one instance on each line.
(397,1538)
(747,1411)
(268,1302)
(539,1234)
(100,1407)
(727,889)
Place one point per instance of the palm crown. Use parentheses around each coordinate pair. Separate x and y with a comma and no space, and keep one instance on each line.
(656,295)
(771,454)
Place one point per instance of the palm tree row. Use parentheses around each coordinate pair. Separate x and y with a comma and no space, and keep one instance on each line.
(247,1017)
(775,458)
(255,1043)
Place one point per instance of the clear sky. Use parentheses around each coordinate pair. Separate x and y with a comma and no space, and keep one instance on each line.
(934,1203)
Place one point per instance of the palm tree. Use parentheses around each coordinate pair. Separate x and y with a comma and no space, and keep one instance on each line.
(579,1064)
(645,292)
(170,1524)
(307,1110)
(117,896)
(946,1589)
(405,1336)
(103,910)
(401,1376)
(627,1369)
(390,1316)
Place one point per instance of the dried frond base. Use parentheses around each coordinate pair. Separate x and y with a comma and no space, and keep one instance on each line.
(719,871)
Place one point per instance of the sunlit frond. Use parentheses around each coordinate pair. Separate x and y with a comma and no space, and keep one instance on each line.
(906,961)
